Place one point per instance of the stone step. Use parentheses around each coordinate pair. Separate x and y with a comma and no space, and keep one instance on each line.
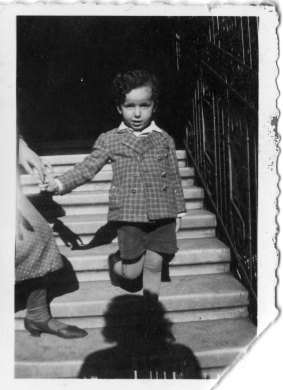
(95,202)
(61,163)
(86,238)
(210,345)
(84,224)
(72,159)
(102,197)
(101,181)
(82,202)
(195,256)
(196,224)
(185,298)
(100,208)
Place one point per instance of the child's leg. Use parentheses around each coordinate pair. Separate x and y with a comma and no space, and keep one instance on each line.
(132,249)
(152,272)
(156,327)
(129,271)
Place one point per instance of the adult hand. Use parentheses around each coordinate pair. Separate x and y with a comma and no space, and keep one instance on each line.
(31,162)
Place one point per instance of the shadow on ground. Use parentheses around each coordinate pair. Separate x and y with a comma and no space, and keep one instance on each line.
(143,349)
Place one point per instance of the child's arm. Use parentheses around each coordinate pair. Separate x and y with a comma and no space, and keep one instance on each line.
(177,182)
(83,171)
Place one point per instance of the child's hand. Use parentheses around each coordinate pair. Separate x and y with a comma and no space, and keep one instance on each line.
(178,224)
(49,185)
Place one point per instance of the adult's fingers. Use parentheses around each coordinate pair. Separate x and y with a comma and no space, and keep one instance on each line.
(28,167)
(39,166)
(43,187)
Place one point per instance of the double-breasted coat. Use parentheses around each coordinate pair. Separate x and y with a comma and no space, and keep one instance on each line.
(146,184)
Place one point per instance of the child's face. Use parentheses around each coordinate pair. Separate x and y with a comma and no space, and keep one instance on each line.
(138,108)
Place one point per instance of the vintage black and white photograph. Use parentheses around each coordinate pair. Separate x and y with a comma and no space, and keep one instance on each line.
(137,199)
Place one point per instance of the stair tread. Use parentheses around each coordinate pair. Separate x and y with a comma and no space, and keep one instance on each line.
(90,224)
(96,196)
(182,293)
(208,340)
(104,175)
(85,218)
(74,158)
(101,191)
(196,285)
(184,245)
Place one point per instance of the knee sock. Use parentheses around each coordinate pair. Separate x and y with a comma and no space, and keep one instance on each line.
(118,269)
(38,309)
(152,272)
(37,306)
(129,271)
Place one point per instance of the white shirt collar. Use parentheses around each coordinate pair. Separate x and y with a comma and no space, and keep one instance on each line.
(149,129)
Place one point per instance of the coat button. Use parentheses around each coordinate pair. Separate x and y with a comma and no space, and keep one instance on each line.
(165,188)
(136,175)
(140,158)
(134,191)
(163,174)
(159,158)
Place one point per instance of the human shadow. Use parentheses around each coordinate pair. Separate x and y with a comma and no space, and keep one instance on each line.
(104,235)
(70,238)
(51,211)
(46,206)
(144,348)
(59,282)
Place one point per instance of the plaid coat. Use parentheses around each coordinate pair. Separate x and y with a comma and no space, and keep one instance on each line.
(146,183)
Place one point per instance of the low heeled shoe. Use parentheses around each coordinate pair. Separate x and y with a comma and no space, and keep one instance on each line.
(67,332)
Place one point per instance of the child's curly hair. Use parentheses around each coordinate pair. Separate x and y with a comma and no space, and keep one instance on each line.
(127,81)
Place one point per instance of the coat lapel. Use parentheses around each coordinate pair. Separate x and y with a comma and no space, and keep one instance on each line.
(141,144)
(150,141)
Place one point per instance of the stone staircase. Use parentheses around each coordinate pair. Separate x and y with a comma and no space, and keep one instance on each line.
(203,304)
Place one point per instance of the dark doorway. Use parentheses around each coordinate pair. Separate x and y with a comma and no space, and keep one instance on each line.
(65,67)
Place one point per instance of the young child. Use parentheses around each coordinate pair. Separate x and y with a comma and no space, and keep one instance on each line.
(146,194)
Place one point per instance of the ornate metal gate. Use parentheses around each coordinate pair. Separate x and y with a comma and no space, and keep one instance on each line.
(220,67)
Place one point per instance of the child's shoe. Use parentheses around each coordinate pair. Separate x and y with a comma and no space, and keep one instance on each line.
(114,278)
(132,286)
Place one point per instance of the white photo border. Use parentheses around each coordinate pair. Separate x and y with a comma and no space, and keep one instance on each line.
(268,154)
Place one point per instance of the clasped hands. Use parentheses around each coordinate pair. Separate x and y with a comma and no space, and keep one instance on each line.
(37,167)
(49,184)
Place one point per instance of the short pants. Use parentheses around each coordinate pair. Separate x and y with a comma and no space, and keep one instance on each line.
(135,238)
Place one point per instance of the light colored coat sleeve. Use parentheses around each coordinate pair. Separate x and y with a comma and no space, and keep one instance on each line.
(87,169)
(176,178)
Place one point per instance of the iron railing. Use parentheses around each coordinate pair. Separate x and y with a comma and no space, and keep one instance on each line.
(222,131)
